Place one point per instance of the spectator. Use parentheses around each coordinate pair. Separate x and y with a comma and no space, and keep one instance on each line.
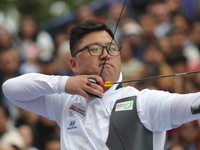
(139,7)
(33,44)
(188,135)
(9,67)
(52,142)
(84,12)
(192,84)
(5,38)
(192,46)
(63,58)
(113,16)
(174,6)
(27,134)
(50,67)
(9,135)
(163,17)
(45,128)
(63,52)
(156,65)
(178,63)
(148,23)
(9,62)
(177,147)
(132,29)
(181,22)
(130,64)
(165,46)
(26,118)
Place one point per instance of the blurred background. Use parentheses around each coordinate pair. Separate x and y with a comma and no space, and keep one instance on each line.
(158,37)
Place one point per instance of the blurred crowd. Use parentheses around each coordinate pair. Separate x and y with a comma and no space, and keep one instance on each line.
(160,37)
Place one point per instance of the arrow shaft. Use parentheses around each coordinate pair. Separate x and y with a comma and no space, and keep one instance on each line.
(157,77)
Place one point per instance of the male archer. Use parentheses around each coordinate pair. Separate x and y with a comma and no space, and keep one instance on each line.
(115,118)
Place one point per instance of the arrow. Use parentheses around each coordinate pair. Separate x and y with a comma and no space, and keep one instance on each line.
(109,83)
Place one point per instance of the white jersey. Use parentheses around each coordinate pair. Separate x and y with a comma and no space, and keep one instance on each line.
(84,124)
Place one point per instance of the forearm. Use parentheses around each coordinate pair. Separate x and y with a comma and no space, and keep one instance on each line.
(160,111)
(28,91)
(32,86)
(181,108)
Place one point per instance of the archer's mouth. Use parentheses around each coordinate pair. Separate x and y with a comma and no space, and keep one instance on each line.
(105,64)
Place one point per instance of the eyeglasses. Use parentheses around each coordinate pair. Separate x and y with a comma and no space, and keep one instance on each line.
(97,50)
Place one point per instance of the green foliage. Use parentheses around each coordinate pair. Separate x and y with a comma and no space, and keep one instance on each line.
(38,8)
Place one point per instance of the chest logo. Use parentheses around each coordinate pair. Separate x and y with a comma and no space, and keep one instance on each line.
(72,125)
(123,106)
(77,110)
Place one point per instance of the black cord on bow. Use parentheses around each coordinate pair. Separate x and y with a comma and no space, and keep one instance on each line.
(102,72)
(114,35)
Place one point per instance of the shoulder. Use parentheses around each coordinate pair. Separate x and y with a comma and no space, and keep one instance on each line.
(128,91)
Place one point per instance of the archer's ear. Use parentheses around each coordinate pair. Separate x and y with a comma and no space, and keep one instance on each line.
(73,65)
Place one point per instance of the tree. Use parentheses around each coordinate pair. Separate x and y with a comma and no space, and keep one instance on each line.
(42,10)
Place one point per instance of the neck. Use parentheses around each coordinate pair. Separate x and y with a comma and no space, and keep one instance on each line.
(105,88)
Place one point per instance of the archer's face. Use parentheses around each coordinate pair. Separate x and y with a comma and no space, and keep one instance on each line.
(84,63)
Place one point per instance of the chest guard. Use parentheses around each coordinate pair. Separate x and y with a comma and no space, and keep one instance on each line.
(126,132)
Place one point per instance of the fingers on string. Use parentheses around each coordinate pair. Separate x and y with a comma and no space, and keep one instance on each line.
(93,89)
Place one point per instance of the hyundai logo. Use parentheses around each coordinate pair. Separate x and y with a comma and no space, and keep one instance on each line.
(72,123)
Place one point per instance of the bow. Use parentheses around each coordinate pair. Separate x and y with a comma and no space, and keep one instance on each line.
(102,72)
(114,35)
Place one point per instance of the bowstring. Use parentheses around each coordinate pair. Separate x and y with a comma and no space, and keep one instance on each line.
(102,72)
(113,36)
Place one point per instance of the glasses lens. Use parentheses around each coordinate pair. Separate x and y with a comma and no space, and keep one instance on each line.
(95,50)
(113,49)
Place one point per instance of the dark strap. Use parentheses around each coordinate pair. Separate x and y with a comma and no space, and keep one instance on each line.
(132,132)
(119,86)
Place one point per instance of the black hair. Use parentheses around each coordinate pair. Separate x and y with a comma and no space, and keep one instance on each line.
(176,57)
(5,48)
(83,28)
(154,44)
(5,110)
(49,138)
(29,18)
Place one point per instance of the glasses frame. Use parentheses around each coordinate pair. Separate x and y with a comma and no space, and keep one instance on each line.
(88,46)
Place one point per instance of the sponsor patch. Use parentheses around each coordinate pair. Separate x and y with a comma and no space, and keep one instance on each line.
(72,125)
(77,110)
(123,106)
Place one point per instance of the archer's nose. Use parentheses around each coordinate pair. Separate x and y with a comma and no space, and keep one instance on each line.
(104,54)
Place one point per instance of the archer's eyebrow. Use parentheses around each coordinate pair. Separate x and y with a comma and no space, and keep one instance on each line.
(108,43)
(111,43)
